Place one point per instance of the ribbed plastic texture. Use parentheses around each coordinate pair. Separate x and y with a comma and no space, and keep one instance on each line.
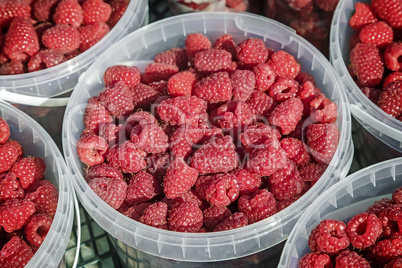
(141,46)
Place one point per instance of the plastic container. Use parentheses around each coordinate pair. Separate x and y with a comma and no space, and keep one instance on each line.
(342,201)
(385,128)
(248,245)
(23,88)
(37,142)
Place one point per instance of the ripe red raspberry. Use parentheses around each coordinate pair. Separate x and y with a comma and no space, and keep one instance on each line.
(10,187)
(130,75)
(349,258)
(391,55)
(150,138)
(142,187)
(64,38)
(8,155)
(322,140)
(312,172)
(37,229)
(117,99)
(111,190)
(286,182)
(286,115)
(113,134)
(21,40)
(366,64)
(283,89)
(140,117)
(4,131)
(10,9)
(328,236)
(363,15)
(91,149)
(95,11)
(251,52)
(181,84)
(257,205)
(68,12)
(213,60)
(301,5)
(143,95)
(158,71)
(390,100)
(236,220)
(12,67)
(379,206)
(213,215)
(397,196)
(214,88)
(372,94)
(42,9)
(155,215)
(226,42)
(15,146)
(265,76)
(185,217)
(234,114)
(179,179)
(378,33)
(29,170)
(326,5)
(218,190)
(103,170)
(45,197)
(394,263)
(194,43)
(267,160)
(134,212)
(45,58)
(15,253)
(315,259)
(284,64)
(126,157)
(247,181)
(389,11)
(91,34)
(174,56)
(96,114)
(15,213)
(363,230)
(183,138)
(217,155)
(190,196)
(296,151)
(261,104)
(384,251)
(118,9)
(323,110)
(243,83)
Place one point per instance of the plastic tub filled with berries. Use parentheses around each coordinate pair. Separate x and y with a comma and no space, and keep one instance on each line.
(50,64)
(37,197)
(365,51)
(355,221)
(201,115)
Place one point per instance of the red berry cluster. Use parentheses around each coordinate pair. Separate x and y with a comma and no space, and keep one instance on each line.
(28,203)
(212,136)
(231,5)
(369,239)
(39,34)
(375,54)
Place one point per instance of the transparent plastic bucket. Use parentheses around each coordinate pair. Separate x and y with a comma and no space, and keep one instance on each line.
(342,201)
(248,245)
(37,142)
(386,129)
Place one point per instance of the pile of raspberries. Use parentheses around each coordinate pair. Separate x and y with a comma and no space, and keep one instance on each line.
(209,137)
(28,202)
(375,53)
(369,239)
(39,34)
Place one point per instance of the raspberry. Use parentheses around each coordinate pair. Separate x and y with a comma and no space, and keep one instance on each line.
(8,155)
(118,9)
(126,157)
(68,12)
(259,136)
(215,156)
(4,131)
(322,140)
(378,33)
(10,9)
(247,181)
(194,43)
(372,93)
(130,75)
(95,11)
(349,258)
(214,88)
(42,9)
(394,263)
(219,190)
(181,84)
(307,93)
(389,11)
(160,87)
(284,64)
(296,150)
(323,110)
(113,134)
(91,34)
(261,104)
(397,196)
(96,114)
(257,205)
(243,83)
(363,230)
(236,220)
(226,42)
(21,40)
(286,182)
(213,215)
(149,138)
(37,229)
(15,146)
(266,161)
(283,89)
(117,99)
(183,138)
(111,190)
(15,253)
(379,206)
(45,58)
(135,212)
(315,259)
(312,172)
(286,115)
(363,16)
(190,196)
(251,52)
(143,95)
(175,56)
(328,236)
(179,179)
(91,149)
(159,71)
(391,55)
(12,67)
(182,110)
(390,100)
(213,60)
(10,187)
(45,198)
(155,215)
(29,170)
(366,64)
(64,38)
(326,5)
(140,117)
(284,203)
(142,187)
(15,213)
(385,251)
(234,114)
(185,217)
(265,76)
(103,170)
